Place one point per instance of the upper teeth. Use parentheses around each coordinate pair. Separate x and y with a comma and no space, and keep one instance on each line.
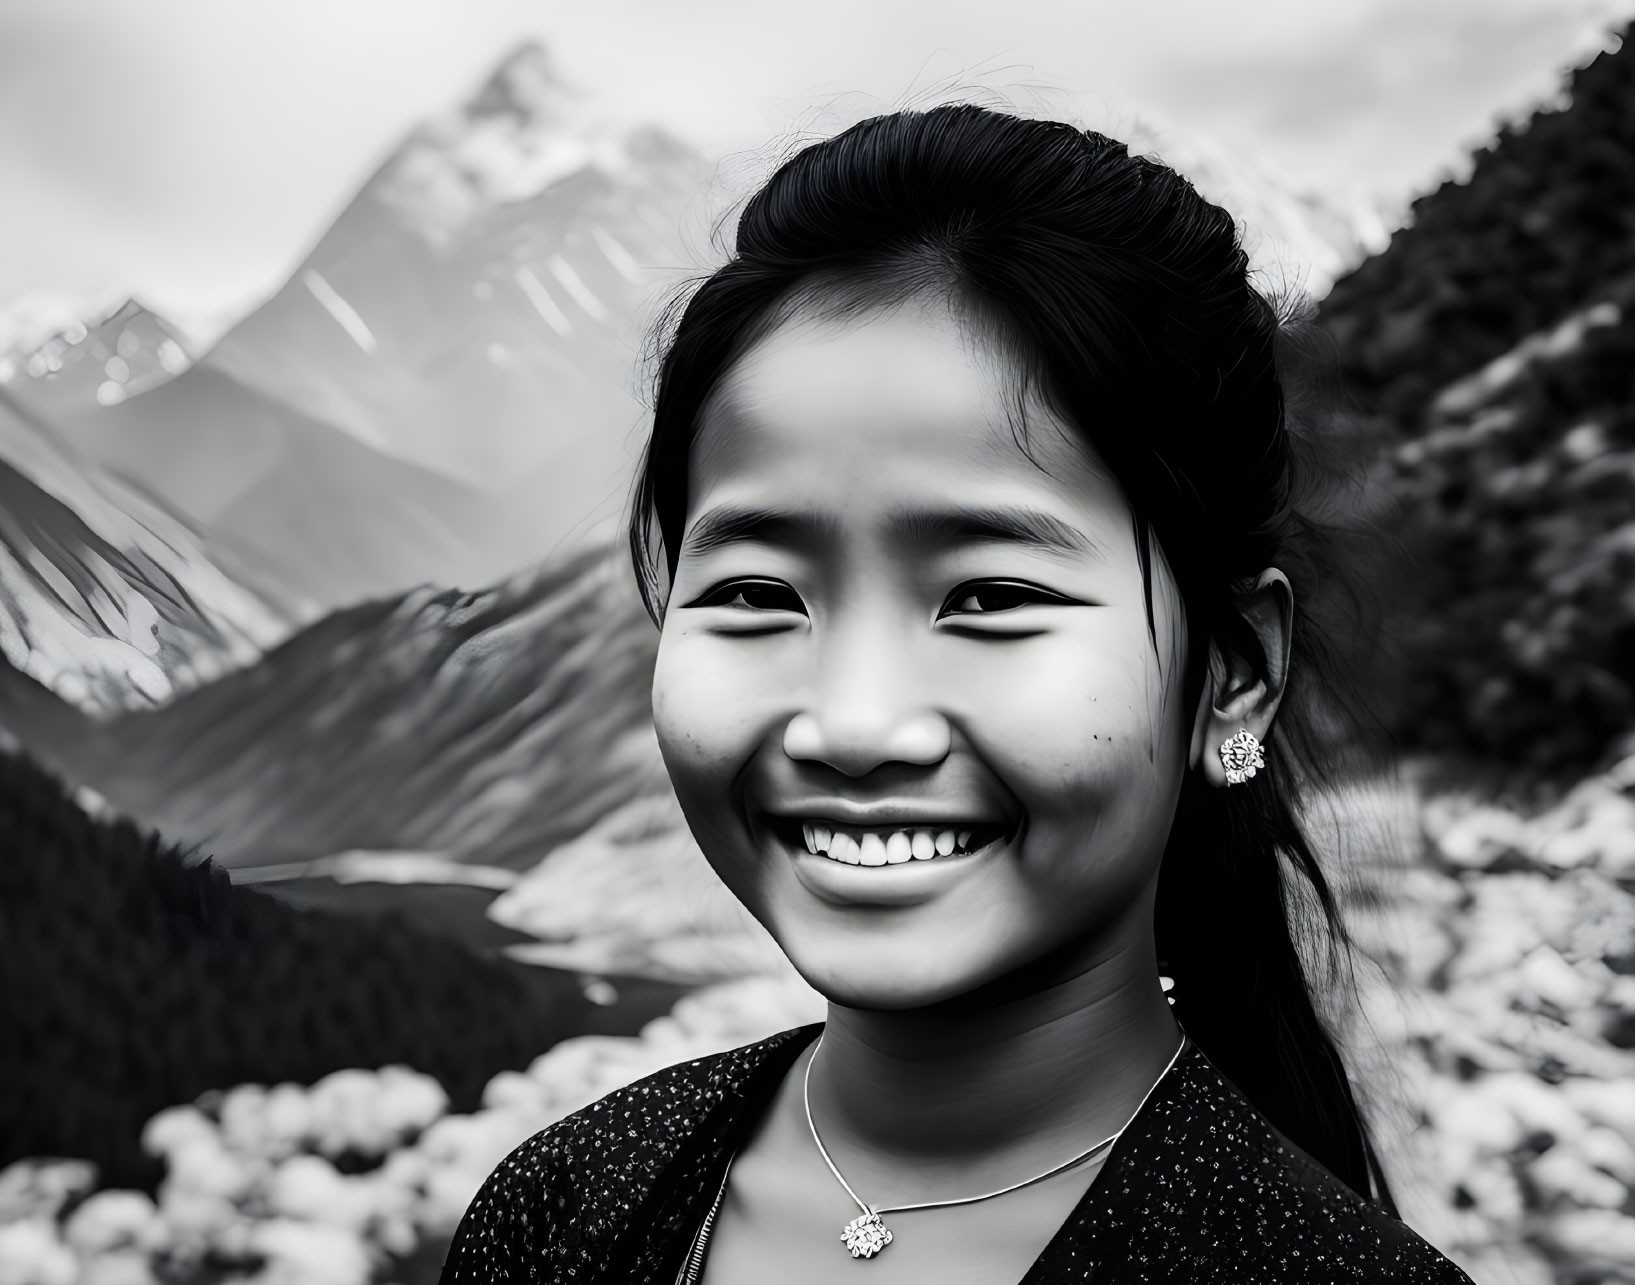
(859,847)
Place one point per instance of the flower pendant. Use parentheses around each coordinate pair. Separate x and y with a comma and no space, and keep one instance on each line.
(866,1235)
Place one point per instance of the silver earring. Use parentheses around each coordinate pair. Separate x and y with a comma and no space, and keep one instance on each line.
(1241,757)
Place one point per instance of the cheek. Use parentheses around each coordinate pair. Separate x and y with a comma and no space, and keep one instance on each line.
(710,720)
(1069,720)
(696,704)
(693,726)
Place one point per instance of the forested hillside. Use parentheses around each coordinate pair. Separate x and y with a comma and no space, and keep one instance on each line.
(1494,341)
(137,977)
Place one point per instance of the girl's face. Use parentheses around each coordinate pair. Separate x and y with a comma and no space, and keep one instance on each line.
(905,687)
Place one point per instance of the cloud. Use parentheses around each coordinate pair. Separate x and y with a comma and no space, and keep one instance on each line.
(193,152)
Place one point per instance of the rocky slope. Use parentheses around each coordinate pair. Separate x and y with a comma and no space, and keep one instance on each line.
(107,597)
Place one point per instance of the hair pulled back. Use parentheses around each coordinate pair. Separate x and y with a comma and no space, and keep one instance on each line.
(1126,298)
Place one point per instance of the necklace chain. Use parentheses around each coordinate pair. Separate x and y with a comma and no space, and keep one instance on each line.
(874,1210)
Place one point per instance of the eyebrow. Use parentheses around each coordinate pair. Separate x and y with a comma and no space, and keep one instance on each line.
(1029,528)
(738,525)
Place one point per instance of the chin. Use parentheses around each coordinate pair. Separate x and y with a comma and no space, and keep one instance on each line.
(866,981)
(867,995)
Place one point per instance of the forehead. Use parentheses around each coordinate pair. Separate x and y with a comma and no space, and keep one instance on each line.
(907,396)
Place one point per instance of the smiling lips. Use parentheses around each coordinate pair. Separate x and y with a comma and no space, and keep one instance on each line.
(884,846)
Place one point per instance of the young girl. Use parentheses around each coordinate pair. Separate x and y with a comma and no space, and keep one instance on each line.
(972,517)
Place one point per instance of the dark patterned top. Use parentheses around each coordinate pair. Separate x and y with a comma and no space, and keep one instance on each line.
(1199,1189)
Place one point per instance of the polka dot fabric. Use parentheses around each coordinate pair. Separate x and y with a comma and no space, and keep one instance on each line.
(1200,1190)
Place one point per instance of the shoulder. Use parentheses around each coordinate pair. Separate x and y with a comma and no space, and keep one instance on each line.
(1302,1224)
(635,1130)
(1255,1207)
(568,1190)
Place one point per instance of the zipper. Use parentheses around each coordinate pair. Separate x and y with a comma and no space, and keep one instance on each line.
(694,1264)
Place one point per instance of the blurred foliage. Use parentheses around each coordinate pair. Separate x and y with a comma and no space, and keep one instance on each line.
(263,1186)
(1500,1040)
(1494,340)
(135,980)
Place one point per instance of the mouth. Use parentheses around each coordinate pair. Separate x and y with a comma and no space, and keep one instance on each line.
(886,845)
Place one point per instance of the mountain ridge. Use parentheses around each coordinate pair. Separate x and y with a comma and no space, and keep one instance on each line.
(492,725)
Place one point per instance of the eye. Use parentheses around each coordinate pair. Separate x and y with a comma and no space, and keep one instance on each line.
(987,597)
(753,595)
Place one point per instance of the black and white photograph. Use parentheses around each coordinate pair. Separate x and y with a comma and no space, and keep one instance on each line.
(915,642)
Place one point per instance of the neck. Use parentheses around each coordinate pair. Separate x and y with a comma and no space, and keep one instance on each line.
(1018,1075)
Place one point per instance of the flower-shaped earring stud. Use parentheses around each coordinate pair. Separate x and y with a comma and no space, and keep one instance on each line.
(1241,757)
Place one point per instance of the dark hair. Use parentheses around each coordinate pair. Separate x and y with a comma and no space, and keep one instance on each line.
(1126,298)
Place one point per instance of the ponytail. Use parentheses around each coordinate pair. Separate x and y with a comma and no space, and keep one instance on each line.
(1223,923)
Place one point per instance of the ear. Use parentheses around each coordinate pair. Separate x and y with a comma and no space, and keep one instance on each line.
(1237,692)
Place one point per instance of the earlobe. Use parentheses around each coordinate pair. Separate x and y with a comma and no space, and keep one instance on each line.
(1232,701)
(1239,696)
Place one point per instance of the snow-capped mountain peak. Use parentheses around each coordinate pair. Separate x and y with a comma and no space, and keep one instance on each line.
(57,351)
(523,131)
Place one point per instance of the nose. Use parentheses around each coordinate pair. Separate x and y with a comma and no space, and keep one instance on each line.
(868,710)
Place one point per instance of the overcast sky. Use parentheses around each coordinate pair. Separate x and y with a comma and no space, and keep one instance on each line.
(190,151)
